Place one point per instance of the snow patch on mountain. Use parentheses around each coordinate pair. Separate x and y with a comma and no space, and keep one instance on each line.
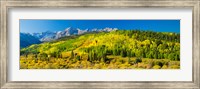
(49,36)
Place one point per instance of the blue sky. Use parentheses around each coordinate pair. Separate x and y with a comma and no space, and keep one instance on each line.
(35,26)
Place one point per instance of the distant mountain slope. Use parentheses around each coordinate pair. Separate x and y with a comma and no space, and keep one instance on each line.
(27,39)
(49,36)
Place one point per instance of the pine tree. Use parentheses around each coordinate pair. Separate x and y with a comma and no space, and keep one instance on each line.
(72,54)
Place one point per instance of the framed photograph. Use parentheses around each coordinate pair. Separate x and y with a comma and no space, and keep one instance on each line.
(100,44)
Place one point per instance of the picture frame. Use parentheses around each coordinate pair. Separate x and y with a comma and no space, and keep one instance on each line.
(4,46)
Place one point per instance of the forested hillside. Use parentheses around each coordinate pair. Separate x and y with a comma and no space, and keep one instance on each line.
(120,49)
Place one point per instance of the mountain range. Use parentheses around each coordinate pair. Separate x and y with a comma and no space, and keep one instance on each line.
(27,39)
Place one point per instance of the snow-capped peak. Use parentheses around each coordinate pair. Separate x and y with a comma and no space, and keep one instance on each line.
(49,36)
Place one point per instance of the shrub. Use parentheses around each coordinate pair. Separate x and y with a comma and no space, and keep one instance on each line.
(164,67)
(78,58)
(174,67)
(142,65)
(156,67)
(138,60)
(158,63)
